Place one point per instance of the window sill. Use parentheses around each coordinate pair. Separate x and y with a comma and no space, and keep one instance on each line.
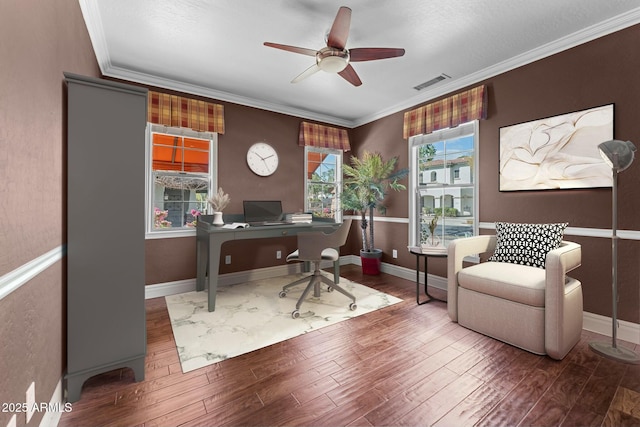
(186,232)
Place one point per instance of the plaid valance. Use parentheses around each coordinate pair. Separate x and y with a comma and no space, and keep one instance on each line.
(446,113)
(322,136)
(178,111)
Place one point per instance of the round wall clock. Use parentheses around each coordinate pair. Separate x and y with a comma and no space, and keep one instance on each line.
(262,159)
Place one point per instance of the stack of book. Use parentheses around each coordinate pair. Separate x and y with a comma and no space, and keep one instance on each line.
(428,249)
(299,217)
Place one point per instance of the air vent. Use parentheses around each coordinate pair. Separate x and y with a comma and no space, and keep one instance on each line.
(431,82)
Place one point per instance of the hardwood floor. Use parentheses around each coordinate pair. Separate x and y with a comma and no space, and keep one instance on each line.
(402,365)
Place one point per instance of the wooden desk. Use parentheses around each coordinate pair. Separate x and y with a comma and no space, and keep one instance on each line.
(209,240)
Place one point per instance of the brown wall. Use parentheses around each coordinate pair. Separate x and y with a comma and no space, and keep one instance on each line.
(585,76)
(174,259)
(40,40)
(601,72)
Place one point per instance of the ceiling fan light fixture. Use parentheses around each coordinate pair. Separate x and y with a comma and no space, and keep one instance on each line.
(335,57)
(332,60)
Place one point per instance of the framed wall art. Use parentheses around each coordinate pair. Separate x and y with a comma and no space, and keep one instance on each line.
(559,152)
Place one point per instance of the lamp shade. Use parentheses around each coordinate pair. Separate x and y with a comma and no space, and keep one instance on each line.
(618,154)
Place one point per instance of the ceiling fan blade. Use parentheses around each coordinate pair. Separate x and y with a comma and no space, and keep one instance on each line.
(373,53)
(350,75)
(294,49)
(340,29)
(306,73)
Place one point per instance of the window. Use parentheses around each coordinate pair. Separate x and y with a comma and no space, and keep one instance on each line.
(443,180)
(181,170)
(323,182)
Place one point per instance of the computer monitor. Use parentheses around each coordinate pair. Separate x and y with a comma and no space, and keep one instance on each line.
(262,210)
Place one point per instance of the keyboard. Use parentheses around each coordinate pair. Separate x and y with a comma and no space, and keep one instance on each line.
(267,223)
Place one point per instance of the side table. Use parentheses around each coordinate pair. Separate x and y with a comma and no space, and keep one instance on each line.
(417,251)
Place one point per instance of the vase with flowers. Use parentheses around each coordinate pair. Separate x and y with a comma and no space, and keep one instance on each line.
(218,202)
(430,242)
(433,239)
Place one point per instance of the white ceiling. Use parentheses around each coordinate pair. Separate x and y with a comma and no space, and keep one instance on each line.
(215,48)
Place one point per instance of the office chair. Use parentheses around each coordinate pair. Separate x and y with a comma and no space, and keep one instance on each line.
(316,246)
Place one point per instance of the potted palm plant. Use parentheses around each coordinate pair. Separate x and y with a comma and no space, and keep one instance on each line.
(366,183)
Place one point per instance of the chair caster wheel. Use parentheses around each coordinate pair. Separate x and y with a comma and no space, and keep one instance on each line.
(329,289)
(352,306)
(295,314)
(282,294)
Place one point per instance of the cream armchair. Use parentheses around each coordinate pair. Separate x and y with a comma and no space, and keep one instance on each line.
(536,309)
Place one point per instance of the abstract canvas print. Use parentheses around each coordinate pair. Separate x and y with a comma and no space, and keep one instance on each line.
(559,152)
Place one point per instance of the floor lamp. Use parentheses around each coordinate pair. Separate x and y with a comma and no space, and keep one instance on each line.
(619,155)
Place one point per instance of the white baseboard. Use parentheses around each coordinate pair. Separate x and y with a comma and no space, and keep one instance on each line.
(169,288)
(188,285)
(52,418)
(627,331)
(402,272)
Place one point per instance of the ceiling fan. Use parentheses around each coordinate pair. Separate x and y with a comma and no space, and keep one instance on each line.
(335,57)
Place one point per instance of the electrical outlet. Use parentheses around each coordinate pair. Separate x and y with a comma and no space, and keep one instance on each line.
(227,259)
(30,400)
(278,254)
(395,253)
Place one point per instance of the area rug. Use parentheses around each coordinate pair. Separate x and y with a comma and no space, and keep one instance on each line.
(251,315)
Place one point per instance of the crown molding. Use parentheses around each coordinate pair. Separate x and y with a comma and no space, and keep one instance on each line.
(601,29)
(93,22)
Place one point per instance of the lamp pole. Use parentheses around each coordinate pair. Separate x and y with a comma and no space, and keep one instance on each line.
(614,253)
(611,154)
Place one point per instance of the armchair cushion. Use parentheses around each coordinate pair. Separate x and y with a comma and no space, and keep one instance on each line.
(497,279)
(526,244)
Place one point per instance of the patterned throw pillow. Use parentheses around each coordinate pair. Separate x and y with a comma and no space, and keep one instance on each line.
(526,244)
